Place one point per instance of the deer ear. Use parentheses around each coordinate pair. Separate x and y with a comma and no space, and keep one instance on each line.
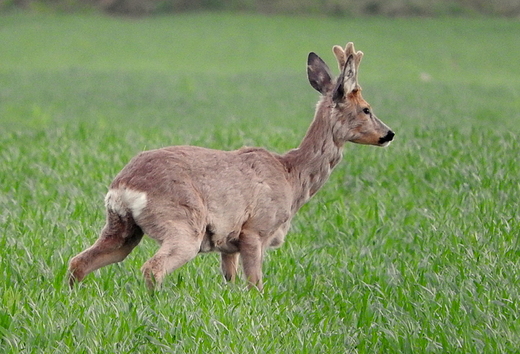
(350,74)
(318,73)
(344,80)
(339,91)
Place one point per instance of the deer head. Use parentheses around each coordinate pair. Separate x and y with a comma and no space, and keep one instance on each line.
(352,116)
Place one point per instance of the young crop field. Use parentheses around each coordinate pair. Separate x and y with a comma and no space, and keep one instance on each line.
(412,248)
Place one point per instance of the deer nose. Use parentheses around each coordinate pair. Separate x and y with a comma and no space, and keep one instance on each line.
(388,137)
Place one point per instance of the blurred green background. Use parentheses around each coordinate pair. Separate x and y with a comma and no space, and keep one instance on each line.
(510,8)
(409,249)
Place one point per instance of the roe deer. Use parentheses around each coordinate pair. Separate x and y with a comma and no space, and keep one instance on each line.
(191,199)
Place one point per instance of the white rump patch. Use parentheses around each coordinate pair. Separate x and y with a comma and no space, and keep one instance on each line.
(124,200)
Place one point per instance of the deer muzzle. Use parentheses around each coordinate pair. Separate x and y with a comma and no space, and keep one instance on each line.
(385,140)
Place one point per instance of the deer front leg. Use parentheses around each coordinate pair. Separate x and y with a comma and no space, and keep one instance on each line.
(251,253)
(229,265)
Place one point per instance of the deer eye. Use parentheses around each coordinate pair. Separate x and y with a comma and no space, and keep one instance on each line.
(366,110)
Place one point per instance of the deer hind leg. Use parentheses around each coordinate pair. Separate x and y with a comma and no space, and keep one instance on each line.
(229,265)
(179,244)
(118,238)
(251,253)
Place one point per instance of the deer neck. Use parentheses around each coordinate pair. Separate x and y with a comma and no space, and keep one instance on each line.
(310,165)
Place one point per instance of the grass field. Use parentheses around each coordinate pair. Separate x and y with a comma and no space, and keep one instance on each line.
(409,249)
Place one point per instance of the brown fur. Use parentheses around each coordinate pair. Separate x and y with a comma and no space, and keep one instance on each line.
(239,203)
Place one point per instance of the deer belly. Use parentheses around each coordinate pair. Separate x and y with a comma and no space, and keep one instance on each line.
(215,242)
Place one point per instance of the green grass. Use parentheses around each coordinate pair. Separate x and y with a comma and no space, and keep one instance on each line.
(409,249)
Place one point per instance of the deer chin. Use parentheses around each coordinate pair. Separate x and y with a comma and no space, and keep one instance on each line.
(364,141)
(377,142)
